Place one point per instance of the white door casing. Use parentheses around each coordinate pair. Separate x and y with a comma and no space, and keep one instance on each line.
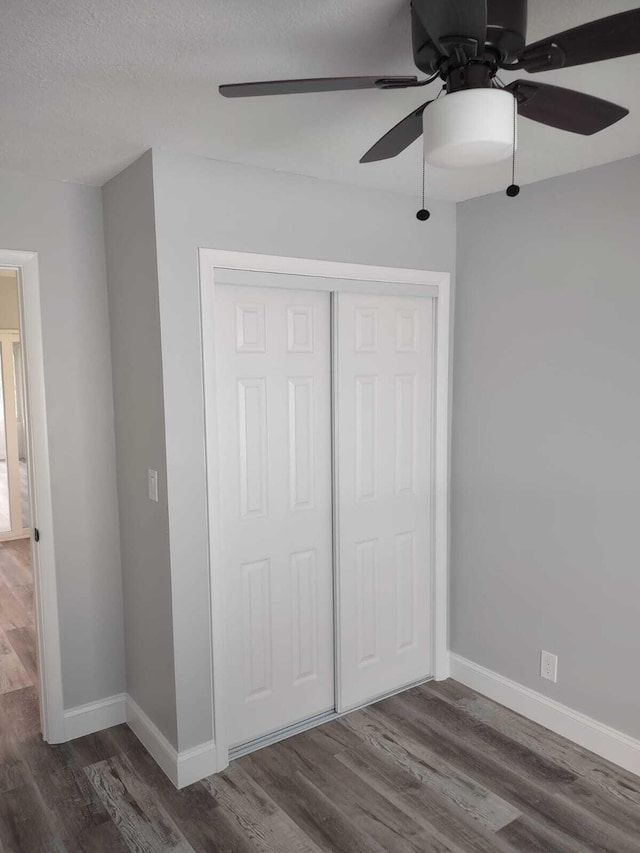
(384,377)
(274,413)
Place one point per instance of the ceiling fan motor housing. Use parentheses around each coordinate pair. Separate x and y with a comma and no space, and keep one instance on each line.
(506,36)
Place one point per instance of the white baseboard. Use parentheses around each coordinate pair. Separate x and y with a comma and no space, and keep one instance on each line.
(95,716)
(609,743)
(196,763)
(182,768)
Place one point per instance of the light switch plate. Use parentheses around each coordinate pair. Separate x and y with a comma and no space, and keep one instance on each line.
(153,485)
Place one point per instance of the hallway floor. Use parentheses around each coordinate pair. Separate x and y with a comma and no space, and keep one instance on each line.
(438,769)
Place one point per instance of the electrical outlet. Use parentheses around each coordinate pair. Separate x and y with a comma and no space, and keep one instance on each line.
(549,666)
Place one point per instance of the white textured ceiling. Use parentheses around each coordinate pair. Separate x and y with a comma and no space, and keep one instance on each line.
(86,86)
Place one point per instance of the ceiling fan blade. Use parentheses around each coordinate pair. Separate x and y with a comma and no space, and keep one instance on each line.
(444,20)
(398,138)
(565,108)
(606,38)
(314,84)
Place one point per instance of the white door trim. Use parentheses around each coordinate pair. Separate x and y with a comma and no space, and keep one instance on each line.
(44,566)
(435,284)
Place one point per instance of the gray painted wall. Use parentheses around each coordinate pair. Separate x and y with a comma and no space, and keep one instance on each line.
(139,420)
(203,203)
(546,423)
(63,223)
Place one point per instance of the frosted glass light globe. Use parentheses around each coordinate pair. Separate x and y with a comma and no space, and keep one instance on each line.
(471,127)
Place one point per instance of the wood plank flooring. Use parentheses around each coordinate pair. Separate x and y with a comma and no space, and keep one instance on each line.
(438,769)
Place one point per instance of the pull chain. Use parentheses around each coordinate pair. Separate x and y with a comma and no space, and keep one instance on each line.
(513,190)
(423,214)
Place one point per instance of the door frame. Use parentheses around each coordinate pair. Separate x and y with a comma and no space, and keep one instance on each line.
(40,500)
(330,276)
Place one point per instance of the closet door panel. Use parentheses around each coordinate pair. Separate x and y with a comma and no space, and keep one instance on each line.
(385,368)
(274,412)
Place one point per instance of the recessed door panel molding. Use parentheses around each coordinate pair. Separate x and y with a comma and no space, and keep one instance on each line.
(366,329)
(274,418)
(405,433)
(301,449)
(385,478)
(252,427)
(368,601)
(300,328)
(365,438)
(258,627)
(250,331)
(405,571)
(406,330)
(304,616)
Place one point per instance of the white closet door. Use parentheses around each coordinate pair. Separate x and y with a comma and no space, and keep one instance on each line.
(274,412)
(385,381)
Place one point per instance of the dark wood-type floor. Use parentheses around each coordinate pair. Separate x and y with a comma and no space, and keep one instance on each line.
(438,768)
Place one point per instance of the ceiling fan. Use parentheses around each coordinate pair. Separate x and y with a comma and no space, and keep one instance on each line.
(466,43)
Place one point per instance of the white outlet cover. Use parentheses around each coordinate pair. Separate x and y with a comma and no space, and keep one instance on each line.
(549,666)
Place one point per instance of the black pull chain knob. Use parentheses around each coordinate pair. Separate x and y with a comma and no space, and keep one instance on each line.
(513,190)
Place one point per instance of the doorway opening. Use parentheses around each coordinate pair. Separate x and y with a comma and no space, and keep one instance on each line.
(18,636)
